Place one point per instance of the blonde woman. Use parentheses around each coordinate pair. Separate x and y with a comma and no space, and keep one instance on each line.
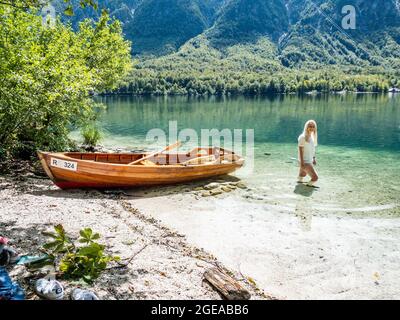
(308,141)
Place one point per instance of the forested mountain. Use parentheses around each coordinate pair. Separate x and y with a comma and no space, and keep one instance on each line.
(304,31)
(244,21)
(162,26)
(155,26)
(122,10)
(251,39)
(316,35)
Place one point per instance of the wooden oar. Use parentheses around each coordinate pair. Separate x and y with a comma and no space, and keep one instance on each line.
(172,146)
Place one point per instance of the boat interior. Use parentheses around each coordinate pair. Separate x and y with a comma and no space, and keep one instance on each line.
(197,156)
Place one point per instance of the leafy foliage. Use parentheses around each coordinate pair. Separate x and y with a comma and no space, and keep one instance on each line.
(91,135)
(48,73)
(86,261)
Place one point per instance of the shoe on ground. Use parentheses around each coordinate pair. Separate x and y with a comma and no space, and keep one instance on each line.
(49,289)
(4,258)
(311,184)
(80,294)
(14,257)
(8,256)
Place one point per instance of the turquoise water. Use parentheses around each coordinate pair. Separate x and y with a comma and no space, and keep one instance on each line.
(359,137)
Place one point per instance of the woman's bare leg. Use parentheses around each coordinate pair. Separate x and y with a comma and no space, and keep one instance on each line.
(310,170)
(302,175)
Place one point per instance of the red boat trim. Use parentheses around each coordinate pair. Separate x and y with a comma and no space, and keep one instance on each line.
(79,185)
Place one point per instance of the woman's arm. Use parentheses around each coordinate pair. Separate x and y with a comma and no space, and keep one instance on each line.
(315,157)
(301,153)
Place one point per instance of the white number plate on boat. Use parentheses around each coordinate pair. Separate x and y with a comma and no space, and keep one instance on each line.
(62,164)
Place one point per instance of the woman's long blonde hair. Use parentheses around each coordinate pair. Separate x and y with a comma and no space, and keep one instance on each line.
(315,134)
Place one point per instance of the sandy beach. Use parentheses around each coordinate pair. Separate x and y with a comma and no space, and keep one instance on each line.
(288,246)
(317,244)
(165,266)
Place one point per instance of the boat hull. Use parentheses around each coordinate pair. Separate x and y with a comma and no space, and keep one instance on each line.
(91,174)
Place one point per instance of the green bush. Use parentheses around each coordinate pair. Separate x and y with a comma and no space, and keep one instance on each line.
(48,74)
(3,154)
(91,135)
(86,261)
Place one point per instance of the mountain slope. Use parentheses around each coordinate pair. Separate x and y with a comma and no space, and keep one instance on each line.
(308,34)
(162,26)
(265,46)
(305,32)
(199,46)
(246,20)
(122,10)
(317,36)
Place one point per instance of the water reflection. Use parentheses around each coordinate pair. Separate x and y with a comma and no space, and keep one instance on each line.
(368,121)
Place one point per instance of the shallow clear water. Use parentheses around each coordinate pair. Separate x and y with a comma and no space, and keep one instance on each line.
(359,137)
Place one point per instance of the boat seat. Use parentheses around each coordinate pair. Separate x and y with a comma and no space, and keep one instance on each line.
(147,163)
(200,160)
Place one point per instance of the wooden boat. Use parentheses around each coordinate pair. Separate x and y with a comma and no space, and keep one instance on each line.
(120,170)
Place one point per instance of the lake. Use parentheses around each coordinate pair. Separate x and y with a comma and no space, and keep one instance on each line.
(359,137)
(335,242)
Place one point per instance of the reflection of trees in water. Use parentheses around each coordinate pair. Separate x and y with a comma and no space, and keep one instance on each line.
(363,120)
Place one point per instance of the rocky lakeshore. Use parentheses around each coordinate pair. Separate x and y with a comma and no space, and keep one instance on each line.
(161,264)
(279,239)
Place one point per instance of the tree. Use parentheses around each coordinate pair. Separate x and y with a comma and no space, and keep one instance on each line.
(48,73)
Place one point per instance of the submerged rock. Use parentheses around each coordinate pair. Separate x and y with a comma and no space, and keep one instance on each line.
(216,192)
(211,186)
(241,185)
(226,189)
(206,194)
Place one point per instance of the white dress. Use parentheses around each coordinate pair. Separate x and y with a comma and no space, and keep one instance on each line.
(309,148)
